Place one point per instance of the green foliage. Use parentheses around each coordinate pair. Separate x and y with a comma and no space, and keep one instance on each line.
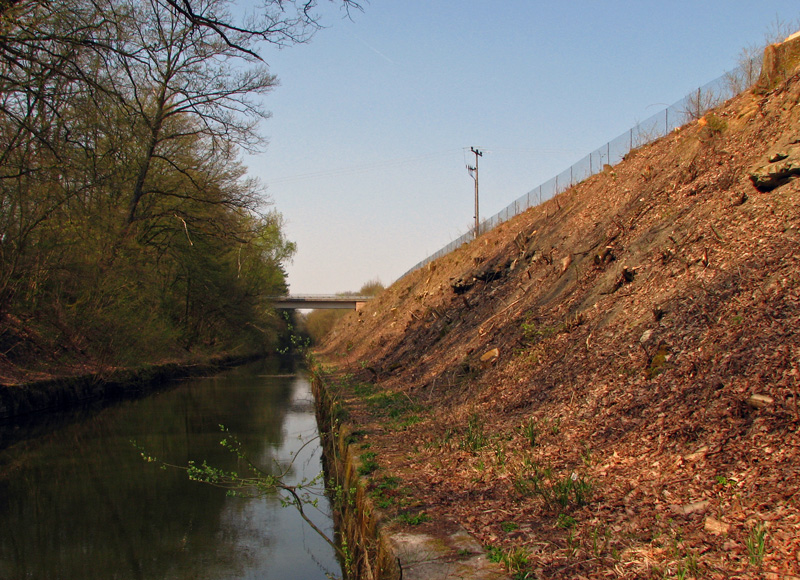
(363,389)
(531,432)
(724,481)
(716,124)
(129,230)
(515,560)
(755,544)
(572,490)
(532,429)
(385,491)
(393,405)
(565,521)
(368,463)
(255,482)
(407,422)
(534,333)
(554,425)
(475,437)
(494,553)
(413,519)
(339,413)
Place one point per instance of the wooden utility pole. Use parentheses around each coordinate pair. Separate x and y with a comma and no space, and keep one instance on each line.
(473,171)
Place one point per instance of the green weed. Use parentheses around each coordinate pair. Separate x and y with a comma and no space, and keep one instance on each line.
(691,564)
(515,560)
(500,454)
(531,431)
(444,440)
(555,425)
(494,554)
(407,422)
(533,333)
(339,414)
(724,481)
(368,463)
(474,437)
(571,490)
(565,521)
(755,544)
(363,389)
(716,124)
(386,492)
(393,405)
(600,538)
(413,519)
(572,543)
(354,436)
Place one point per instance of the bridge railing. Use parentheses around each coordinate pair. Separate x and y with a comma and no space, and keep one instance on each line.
(321,297)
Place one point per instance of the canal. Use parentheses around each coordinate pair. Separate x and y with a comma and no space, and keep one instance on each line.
(77,501)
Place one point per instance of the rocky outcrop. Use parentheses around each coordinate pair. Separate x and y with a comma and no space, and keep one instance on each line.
(783,166)
(781,61)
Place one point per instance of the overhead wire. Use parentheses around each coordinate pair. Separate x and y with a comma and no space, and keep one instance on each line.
(398,162)
(355,169)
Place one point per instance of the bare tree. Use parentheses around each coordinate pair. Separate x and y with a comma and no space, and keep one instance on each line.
(175,83)
(699,102)
(747,71)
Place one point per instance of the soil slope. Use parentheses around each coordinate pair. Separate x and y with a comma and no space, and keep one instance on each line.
(606,386)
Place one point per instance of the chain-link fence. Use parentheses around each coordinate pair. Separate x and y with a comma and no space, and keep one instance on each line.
(691,107)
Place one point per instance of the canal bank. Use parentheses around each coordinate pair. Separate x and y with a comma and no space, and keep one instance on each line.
(382,544)
(62,393)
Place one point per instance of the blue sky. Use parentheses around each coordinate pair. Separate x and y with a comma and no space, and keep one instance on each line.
(373,119)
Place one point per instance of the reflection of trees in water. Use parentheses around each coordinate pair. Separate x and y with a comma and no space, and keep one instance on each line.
(81,503)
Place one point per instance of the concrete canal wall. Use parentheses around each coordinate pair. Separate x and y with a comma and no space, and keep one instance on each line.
(378,548)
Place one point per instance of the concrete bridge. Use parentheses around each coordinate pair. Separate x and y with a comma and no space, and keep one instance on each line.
(316,301)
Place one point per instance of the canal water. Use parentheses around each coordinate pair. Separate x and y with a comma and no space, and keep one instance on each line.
(79,502)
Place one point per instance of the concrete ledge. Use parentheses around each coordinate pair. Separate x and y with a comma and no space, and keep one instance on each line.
(379,549)
(425,557)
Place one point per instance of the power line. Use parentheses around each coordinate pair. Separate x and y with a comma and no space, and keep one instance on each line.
(342,171)
(398,162)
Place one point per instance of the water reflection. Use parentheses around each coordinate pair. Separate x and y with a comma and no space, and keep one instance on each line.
(81,503)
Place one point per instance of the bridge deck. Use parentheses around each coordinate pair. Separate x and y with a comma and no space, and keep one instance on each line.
(317,301)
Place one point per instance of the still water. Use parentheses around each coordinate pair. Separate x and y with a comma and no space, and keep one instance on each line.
(79,502)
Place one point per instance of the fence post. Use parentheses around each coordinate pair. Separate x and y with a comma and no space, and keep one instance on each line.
(666,121)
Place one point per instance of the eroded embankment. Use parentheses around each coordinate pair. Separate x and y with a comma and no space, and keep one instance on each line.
(607,385)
